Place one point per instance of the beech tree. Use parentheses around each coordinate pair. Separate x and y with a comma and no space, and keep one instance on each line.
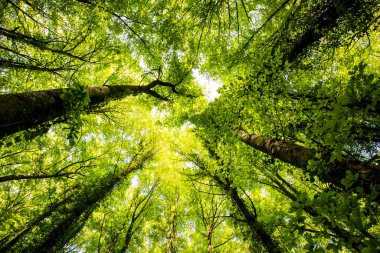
(194,126)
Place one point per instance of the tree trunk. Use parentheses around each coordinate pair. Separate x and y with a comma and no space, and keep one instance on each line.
(323,18)
(255,226)
(67,220)
(299,156)
(28,110)
(209,240)
(127,238)
(171,236)
(8,242)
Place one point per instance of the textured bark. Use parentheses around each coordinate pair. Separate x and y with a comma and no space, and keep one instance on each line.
(27,110)
(287,152)
(299,156)
(30,109)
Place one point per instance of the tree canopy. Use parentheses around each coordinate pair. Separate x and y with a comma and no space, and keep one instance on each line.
(189,126)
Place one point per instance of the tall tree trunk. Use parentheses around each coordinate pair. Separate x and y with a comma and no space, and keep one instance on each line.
(255,226)
(67,220)
(77,215)
(322,19)
(171,236)
(300,156)
(9,241)
(209,240)
(127,238)
(143,202)
(28,110)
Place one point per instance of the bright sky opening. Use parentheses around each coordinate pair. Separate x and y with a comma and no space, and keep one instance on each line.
(211,85)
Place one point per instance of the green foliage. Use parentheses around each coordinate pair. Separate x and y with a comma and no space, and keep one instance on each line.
(304,73)
(76,101)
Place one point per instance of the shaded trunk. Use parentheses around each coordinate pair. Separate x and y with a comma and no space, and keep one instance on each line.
(209,241)
(325,18)
(28,110)
(8,242)
(300,156)
(67,220)
(255,226)
(127,238)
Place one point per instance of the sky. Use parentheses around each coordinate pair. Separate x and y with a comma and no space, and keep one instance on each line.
(211,85)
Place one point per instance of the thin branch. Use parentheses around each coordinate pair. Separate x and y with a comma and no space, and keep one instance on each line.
(265,23)
(250,200)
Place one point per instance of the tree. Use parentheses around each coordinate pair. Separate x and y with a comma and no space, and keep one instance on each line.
(100,100)
(299,156)
(27,110)
(250,216)
(67,220)
(211,216)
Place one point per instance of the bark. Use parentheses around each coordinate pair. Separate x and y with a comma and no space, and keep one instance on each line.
(299,156)
(255,226)
(209,241)
(127,238)
(28,110)
(171,236)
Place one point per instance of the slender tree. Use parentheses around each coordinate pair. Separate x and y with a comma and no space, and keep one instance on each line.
(140,205)
(249,214)
(70,218)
